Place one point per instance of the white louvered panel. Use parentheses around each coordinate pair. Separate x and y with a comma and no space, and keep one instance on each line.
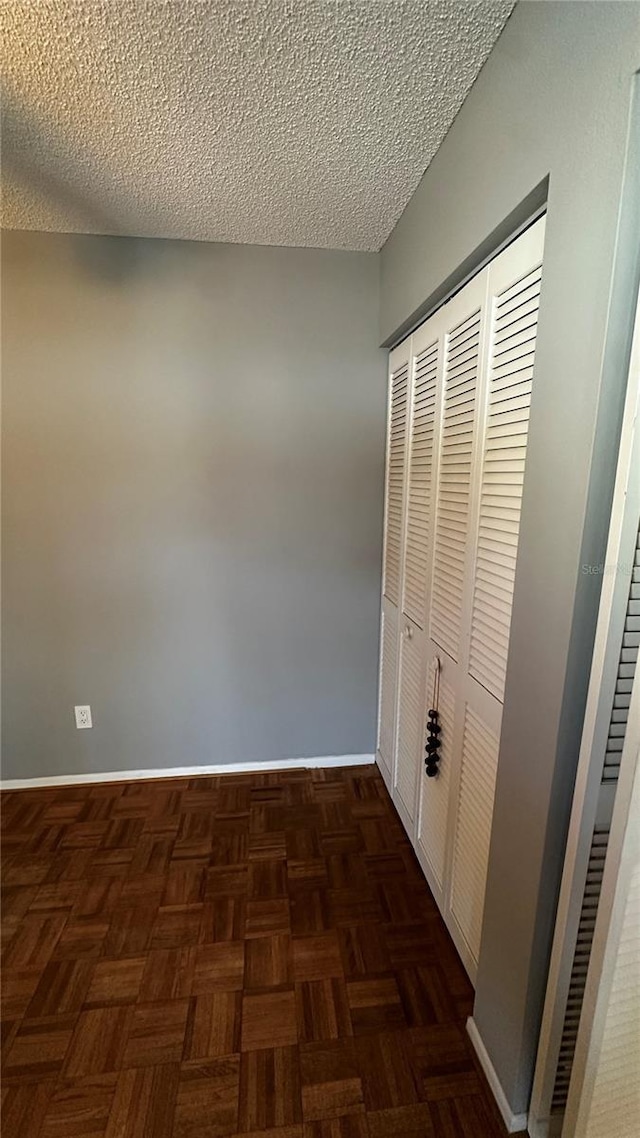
(567,1061)
(580,964)
(395,481)
(626,672)
(604,1094)
(473,828)
(589,909)
(412,716)
(435,791)
(388,674)
(420,488)
(615,1104)
(454,484)
(510,374)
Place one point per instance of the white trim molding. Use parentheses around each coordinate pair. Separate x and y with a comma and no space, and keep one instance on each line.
(515,1123)
(190,772)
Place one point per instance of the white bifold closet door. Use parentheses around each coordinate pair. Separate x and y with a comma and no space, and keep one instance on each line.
(418,537)
(460,390)
(395,494)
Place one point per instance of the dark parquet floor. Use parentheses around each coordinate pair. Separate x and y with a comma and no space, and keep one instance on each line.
(253,955)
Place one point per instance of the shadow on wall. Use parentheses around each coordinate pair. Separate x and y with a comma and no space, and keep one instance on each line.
(33,154)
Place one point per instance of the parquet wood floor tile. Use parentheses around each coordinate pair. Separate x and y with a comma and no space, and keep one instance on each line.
(144,1103)
(331,1082)
(242,956)
(80,1108)
(322,1010)
(347,1126)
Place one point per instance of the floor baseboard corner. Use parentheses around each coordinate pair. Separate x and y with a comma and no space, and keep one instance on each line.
(515,1123)
(385,772)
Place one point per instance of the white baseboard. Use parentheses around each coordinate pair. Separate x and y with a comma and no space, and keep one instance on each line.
(513,1122)
(190,772)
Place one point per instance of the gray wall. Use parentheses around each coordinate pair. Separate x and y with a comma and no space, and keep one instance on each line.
(553,101)
(192,479)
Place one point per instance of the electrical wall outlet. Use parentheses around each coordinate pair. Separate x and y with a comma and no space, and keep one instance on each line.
(83,717)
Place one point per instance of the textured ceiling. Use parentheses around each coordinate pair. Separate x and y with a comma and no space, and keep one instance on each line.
(279,122)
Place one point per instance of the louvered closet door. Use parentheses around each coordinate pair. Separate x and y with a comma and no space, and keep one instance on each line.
(411,721)
(513,284)
(426,352)
(426,358)
(393,556)
(399,394)
(460,391)
(458,456)
(514,298)
(462,340)
(477,743)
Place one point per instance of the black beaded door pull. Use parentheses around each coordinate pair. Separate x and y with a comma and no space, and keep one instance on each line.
(434,729)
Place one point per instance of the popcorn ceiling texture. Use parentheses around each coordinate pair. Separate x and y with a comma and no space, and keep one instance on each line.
(276,122)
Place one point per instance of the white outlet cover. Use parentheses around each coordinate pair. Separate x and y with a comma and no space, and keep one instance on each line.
(83,717)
